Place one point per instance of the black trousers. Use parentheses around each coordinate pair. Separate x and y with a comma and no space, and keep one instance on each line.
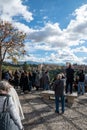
(69,85)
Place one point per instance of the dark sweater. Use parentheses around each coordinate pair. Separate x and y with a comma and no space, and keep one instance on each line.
(59,87)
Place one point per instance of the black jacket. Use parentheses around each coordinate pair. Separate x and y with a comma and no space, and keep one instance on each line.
(70,74)
(59,87)
(81,77)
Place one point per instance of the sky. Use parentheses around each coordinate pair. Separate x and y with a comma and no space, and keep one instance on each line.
(56,29)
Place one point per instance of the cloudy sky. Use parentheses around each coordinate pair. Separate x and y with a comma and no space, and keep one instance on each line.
(56,29)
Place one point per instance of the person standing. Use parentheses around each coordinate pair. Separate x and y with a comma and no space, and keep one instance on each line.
(13,93)
(46,80)
(16,78)
(15,118)
(30,77)
(58,88)
(81,82)
(24,82)
(69,79)
(37,80)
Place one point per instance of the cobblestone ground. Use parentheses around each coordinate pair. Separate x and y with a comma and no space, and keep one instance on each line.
(40,113)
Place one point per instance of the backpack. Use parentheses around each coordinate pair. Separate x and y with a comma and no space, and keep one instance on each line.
(5,119)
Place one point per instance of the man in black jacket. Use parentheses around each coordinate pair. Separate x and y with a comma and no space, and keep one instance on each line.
(69,78)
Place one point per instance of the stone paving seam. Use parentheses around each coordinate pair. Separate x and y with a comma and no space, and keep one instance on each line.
(41,118)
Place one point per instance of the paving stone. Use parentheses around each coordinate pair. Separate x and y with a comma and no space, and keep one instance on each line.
(62,125)
(40,113)
(81,123)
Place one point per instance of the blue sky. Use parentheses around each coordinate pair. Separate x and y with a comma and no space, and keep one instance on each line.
(56,29)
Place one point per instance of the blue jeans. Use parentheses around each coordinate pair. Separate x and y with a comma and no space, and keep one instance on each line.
(57,101)
(81,85)
(46,87)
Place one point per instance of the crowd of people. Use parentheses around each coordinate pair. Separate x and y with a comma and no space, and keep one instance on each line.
(27,80)
(9,97)
(67,83)
(62,83)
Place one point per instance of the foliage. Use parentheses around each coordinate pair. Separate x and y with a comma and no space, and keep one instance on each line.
(54,72)
(11,43)
(26,66)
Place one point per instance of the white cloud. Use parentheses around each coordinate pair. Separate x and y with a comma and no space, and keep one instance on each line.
(51,35)
(64,55)
(45,17)
(10,8)
(84,60)
(22,27)
(80,49)
(74,34)
(77,28)
(32,58)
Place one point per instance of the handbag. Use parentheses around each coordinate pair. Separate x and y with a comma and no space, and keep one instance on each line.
(6,122)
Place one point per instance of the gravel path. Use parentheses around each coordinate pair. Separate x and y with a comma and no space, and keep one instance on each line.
(40,113)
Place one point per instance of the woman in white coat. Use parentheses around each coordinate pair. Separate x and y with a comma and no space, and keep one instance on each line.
(12,92)
(4,90)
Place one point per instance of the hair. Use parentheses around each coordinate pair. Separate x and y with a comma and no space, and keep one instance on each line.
(4,85)
(59,76)
(62,74)
(82,71)
(70,65)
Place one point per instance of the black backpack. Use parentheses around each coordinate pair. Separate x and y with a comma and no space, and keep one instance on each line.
(6,123)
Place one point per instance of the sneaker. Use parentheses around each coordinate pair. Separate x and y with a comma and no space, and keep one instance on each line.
(62,112)
(56,111)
